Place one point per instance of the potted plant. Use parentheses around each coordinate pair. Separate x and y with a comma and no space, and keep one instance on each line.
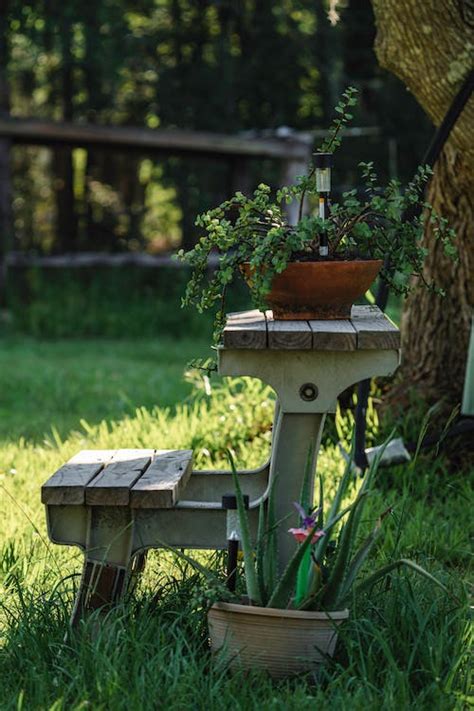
(287,622)
(318,267)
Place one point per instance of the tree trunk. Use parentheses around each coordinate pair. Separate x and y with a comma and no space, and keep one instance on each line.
(429,46)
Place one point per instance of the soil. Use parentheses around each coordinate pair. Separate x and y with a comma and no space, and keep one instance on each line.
(312,257)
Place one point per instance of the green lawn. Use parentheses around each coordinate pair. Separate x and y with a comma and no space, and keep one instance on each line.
(46,384)
(404,647)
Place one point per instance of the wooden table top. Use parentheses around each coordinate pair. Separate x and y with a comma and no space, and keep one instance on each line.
(367,329)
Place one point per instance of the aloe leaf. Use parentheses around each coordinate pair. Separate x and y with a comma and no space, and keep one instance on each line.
(305,494)
(261,548)
(360,557)
(247,548)
(310,602)
(343,553)
(302,578)
(367,485)
(285,586)
(321,503)
(322,544)
(271,551)
(305,503)
(382,572)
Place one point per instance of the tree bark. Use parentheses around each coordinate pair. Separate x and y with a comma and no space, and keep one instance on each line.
(429,46)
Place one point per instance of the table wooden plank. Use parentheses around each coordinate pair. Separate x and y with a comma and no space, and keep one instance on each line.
(374,329)
(161,484)
(67,485)
(333,335)
(246,330)
(112,486)
(289,335)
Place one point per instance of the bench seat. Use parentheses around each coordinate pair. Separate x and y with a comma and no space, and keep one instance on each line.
(139,478)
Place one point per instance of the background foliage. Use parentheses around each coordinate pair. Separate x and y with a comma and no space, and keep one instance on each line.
(199,64)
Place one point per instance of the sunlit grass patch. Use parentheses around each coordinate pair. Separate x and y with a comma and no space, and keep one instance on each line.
(405,645)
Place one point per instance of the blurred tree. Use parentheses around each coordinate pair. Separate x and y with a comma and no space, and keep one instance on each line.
(5,197)
(429,46)
(216,65)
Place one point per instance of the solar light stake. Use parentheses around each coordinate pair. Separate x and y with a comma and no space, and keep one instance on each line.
(229,503)
(323,165)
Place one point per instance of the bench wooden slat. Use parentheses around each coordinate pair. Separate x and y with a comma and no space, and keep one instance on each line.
(333,335)
(374,329)
(368,328)
(112,486)
(67,485)
(247,329)
(162,483)
(289,335)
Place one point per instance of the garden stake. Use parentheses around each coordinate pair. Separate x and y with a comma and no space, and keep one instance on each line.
(229,503)
(323,165)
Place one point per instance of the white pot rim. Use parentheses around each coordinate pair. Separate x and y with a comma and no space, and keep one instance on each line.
(275,612)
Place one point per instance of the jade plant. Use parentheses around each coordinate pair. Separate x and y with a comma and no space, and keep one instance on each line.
(377,223)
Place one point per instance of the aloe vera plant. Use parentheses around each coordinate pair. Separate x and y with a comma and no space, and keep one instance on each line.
(324,571)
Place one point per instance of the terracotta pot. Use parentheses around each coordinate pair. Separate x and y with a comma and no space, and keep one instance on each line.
(318,290)
(281,642)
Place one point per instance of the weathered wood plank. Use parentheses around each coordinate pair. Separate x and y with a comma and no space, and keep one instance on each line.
(333,335)
(67,485)
(161,484)
(247,329)
(78,260)
(289,335)
(112,486)
(374,329)
(161,140)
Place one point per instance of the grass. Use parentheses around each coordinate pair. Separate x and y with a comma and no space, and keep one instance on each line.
(405,646)
(45,384)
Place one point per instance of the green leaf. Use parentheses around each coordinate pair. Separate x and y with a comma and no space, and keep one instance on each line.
(359,559)
(247,548)
(271,548)
(261,550)
(343,552)
(322,544)
(286,585)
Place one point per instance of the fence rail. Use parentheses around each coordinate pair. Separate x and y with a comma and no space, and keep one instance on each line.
(96,259)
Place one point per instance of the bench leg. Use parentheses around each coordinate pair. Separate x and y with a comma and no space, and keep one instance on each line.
(108,565)
(137,567)
(102,585)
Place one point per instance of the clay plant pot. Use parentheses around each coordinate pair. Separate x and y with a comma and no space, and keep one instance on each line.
(281,642)
(318,290)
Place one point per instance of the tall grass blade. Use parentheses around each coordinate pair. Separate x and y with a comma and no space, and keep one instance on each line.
(382,572)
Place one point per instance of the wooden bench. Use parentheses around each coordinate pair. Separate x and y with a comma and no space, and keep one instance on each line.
(117,504)
(98,492)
